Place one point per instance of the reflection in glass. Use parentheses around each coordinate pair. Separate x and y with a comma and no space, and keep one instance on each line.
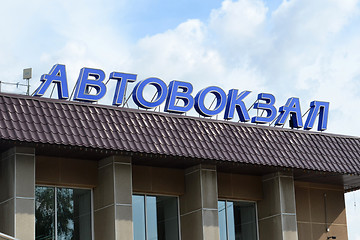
(155,218)
(45,213)
(65,214)
(73,214)
(237,220)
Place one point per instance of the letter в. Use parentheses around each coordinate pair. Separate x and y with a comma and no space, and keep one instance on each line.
(85,84)
(174,96)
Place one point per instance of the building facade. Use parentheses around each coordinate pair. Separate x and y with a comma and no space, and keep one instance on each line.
(71,170)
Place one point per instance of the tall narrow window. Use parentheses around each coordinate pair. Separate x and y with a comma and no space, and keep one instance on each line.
(155,218)
(62,214)
(237,220)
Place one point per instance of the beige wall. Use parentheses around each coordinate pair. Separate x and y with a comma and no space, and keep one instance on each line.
(112,199)
(310,208)
(198,206)
(277,211)
(239,187)
(66,172)
(158,180)
(17,193)
(309,197)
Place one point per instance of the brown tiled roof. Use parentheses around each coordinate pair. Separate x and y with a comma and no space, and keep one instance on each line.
(41,120)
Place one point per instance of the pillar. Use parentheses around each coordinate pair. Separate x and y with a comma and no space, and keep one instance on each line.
(198,206)
(277,214)
(113,199)
(17,193)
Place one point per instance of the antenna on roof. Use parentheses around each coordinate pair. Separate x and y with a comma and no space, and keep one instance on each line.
(27,75)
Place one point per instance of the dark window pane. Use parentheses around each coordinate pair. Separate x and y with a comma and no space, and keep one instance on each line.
(73,214)
(167,218)
(245,221)
(65,214)
(44,213)
(82,214)
(138,207)
(155,218)
(237,220)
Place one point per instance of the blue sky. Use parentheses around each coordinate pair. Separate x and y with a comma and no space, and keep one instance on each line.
(307,49)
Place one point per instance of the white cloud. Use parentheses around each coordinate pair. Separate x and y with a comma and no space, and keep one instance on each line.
(207,53)
(175,51)
(238,22)
(299,49)
(311,21)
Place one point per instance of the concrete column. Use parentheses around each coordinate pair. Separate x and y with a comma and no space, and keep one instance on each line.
(277,214)
(198,206)
(17,193)
(113,199)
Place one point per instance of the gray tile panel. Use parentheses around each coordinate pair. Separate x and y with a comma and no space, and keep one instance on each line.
(42,120)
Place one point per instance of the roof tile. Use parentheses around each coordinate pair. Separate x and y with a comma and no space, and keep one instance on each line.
(68,123)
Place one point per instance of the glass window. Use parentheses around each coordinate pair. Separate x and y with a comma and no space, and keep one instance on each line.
(237,220)
(66,208)
(155,218)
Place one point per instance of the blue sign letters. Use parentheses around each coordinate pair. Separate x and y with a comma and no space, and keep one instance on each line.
(292,107)
(56,75)
(268,107)
(178,98)
(317,107)
(174,95)
(139,89)
(122,80)
(84,85)
(220,98)
(236,101)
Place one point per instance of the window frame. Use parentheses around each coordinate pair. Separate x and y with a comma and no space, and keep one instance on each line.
(244,201)
(55,187)
(160,195)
